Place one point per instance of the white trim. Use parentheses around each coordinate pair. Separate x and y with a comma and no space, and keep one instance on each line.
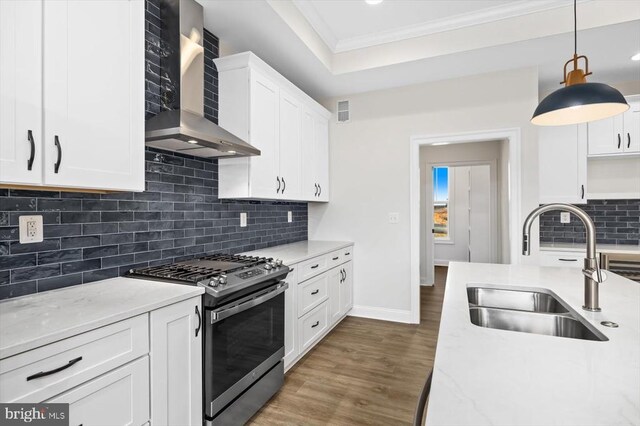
(385,314)
(441,262)
(483,16)
(514,178)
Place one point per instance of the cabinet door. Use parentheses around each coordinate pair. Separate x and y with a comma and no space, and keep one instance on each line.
(335,303)
(605,136)
(21,91)
(563,164)
(322,157)
(289,150)
(308,159)
(290,318)
(94,94)
(176,364)
(631,120)
(263,134)
(118,398)
(346,289)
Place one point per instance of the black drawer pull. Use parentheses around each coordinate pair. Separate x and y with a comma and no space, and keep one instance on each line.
(56,166)
(33,149)
(315,266)
(336,258)
(568,260)
(316,291)
(316,324)
(55,370)
(347,253)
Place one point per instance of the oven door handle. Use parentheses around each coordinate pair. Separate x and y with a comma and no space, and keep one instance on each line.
(226,313)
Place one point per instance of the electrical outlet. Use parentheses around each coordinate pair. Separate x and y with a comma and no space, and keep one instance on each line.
(243,220)
(30,229)
(565,217)
(289,217)
(394,218)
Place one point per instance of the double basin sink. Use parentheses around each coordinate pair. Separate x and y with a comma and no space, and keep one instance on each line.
(529,310)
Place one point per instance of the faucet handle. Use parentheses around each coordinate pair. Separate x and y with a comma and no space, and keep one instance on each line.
(596,274)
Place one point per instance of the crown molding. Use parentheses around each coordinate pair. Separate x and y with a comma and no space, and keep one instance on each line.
(512,10)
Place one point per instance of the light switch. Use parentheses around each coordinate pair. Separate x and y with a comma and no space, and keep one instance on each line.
(30,229)
(565,217)
(243,220)
(289,217)
(394,218)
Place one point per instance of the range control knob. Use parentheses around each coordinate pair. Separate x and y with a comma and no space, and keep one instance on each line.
(214,282)
(223,279)
(278,262)
(268,266)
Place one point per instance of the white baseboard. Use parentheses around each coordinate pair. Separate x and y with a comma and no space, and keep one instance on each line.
(385,314)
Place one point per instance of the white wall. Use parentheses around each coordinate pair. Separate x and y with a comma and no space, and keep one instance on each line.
(369,164)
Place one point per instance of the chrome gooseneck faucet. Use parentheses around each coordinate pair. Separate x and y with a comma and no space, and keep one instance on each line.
(592,274)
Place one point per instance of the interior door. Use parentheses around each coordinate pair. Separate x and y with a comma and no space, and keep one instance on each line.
(290,138)
(21,91)
(481,229)
(632,128)
(94,94)
(265,179)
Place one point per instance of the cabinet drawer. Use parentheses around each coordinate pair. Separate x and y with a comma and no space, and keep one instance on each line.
(312,267)
(311,293)
(120,397)
(575,260)
(313,325)
(334,259)
(41,373)
(347,254)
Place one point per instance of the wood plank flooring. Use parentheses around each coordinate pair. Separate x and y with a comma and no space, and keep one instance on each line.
(365,372)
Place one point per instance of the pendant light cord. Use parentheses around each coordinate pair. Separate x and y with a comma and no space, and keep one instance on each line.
(575,28)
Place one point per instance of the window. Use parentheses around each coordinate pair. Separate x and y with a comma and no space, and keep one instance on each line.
(441,203)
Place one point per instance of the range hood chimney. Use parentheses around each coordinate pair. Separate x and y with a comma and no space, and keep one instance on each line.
(183,128)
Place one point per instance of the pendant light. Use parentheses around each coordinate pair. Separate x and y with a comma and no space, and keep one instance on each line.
(578,101)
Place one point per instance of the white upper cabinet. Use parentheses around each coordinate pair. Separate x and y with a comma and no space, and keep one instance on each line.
(21,92)
(618,135)
(563,164)
(88,93)
(288,127)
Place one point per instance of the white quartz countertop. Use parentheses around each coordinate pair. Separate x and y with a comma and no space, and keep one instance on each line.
(302,250)
(484,376)
(581,247)
(31,321)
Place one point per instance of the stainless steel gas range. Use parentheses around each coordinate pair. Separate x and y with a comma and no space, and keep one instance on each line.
(243,340)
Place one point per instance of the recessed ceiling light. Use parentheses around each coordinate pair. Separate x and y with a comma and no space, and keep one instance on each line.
(231,152)
(192,141)
(636,57)
(373,1)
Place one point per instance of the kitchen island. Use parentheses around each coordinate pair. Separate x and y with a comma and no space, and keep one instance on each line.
(485,376)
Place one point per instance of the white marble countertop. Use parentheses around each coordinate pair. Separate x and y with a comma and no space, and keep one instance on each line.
(31,321)
(484,376)
(302,250)
(581,247)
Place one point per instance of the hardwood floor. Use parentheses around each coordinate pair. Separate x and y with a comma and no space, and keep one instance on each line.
(365,372)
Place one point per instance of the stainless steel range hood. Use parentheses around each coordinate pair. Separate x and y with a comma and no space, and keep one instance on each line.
(183,128)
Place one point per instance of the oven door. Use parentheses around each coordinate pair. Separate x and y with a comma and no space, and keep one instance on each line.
(242,341)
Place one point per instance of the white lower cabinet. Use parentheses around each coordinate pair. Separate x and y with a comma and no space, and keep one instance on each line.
(141,370)
(313,325)
(290,318)
(118,398)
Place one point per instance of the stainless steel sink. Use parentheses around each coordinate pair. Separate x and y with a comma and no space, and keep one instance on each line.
(522,300)
(527,310)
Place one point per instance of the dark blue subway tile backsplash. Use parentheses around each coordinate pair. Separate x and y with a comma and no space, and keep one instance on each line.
(90,237)
(617,222)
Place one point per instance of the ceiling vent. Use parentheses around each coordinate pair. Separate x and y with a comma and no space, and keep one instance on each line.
(343,112)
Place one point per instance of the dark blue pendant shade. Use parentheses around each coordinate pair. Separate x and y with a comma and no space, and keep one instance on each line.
(579,103)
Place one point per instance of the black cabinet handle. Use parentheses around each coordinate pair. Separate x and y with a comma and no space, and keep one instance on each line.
(56,167)
(284,185)
(315,266)
(335,258)
(582,191)
(628,140)
(278,190)
(316,324)
(55,370)
(619,141)
(316,193)
(33,149)
(347,253)
(199,321)
(320,190)
(568,260)
(315,292)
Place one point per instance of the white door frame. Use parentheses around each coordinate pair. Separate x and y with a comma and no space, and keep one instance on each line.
(514,178)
